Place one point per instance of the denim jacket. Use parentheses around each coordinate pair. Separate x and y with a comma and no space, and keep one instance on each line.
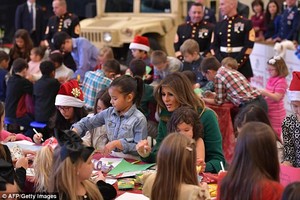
(129,128)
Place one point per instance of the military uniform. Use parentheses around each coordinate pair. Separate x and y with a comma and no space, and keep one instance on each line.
(234,37)
(201,32)
(288,23)
(68,23)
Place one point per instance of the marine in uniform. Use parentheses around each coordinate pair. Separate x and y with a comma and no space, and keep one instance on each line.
(234,37)
(196,29)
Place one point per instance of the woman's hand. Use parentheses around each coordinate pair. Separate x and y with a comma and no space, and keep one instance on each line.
(37,138)
(143,148)
(202,164)
(11,138)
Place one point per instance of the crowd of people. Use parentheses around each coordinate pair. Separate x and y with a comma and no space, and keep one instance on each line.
(88,101)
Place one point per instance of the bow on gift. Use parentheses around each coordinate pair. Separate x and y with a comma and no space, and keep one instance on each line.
(72,146)
(6,174)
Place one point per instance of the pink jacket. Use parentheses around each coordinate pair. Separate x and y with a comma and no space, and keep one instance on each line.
(4,134)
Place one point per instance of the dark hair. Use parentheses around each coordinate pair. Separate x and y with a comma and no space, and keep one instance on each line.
(258,3)
(102,95)
(191,76)
(291,192)
(47,67)
(195,4)
(209,63)
(3,56)
(137,67)
(255,159)
(2,150)
(59,38)
(56,57)
(127,84)
(268,17)
(39,51)
(19,65)
(112,65)
(189,116)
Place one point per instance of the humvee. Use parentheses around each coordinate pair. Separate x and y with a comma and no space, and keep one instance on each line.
(118,21)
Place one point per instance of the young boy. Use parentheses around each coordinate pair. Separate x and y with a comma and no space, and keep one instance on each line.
(230,86)
(94,81)
(164,65)
(44,93)
(192,59)
(84,53)
(36,56)
(62,73)
(4,60)
(230,63)
(140,48)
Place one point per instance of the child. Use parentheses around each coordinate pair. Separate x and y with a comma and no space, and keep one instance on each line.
(105,54)
(62,73)
(72,168)
(18,87)
(164,65)
(253,113)
(94,81)
(125,124)
(254,171)
(185,120)
(291,124)
(36,56)
(173,92)
(44,93)
(140,48)
(230,63)
(230,86)
(4,60)
(258,19)
(192,60)
(176,176)
(22,46)
(291,191)
(275,90)
(97,137)
(83,52)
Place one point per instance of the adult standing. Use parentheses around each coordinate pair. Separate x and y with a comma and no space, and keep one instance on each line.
(29,16)
(209,14)
(234,37)
(196,29)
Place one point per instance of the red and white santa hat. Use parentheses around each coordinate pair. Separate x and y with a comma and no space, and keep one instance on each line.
(140,42)
(70,94)
(294,89)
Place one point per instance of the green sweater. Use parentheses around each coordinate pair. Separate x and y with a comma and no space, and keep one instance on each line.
(212,140)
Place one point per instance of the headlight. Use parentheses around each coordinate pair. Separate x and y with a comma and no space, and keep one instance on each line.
(107,37)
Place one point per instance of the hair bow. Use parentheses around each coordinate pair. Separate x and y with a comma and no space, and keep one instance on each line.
(273,60)
(6,174)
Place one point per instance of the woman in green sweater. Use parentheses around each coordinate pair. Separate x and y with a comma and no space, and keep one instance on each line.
(175,90)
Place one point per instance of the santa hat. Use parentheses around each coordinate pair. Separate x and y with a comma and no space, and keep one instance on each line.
(70,94)
(294,90)
(140,42)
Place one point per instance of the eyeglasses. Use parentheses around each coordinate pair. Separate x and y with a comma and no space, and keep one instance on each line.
(63,108)
(270,69)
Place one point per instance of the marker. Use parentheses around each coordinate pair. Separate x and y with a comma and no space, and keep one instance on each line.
(222,166)
(38,134)
(135,162)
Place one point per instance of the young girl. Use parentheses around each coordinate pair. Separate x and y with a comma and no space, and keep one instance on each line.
(253,113)
(22,46)
(291,125)
(36,56)
(72,168)
(258,19)
(69,109)
(254,171)
(174,91)
(176,177)
(272,20)
(275,91)
(124,123)
(186,121)
(97,137)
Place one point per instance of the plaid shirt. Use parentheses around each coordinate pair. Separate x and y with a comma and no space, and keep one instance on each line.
(93,82)
(232,86)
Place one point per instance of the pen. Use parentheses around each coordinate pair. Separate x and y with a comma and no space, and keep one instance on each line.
(222,166)
(38,134)
(135,162)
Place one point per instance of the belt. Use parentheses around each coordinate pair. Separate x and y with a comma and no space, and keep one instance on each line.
(230,49)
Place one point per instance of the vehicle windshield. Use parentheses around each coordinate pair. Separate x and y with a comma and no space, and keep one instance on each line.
(147,6)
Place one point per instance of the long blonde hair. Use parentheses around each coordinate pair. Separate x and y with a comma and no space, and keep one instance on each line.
(176,164)
(64,178)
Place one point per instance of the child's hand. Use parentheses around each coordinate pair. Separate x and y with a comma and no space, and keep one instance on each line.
(143,148)
(287,163)
(209,94)
(200,162)
(22,162)
(11,138)
(37,138)
(108,148)
(100,177)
